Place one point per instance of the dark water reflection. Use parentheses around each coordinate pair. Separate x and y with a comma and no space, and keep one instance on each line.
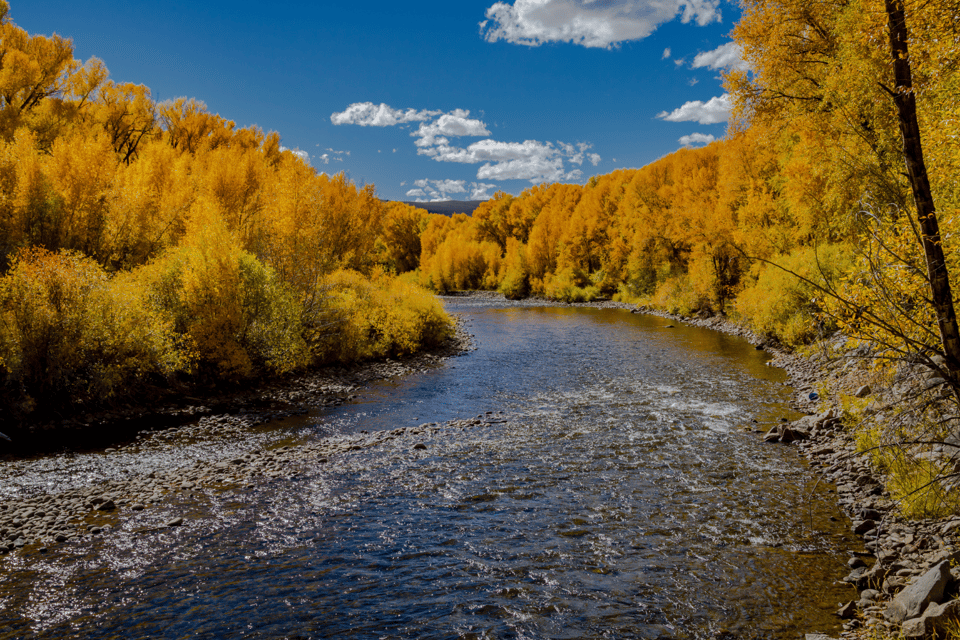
(619,500)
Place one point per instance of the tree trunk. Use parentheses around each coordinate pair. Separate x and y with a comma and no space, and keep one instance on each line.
(906,103)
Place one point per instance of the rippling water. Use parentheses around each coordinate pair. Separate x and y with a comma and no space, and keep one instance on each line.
(620,498)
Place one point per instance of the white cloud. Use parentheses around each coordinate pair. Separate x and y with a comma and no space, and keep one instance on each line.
(454,124)
(696,138)
(529,160)
(666,54)
(367,114)
(480,190)
(713,111)
(727,56)
(590,23)
(331,154)
(443,186)
(436,190)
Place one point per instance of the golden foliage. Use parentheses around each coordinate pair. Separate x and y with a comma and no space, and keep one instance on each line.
(381,316)
(180,243)
(69,334)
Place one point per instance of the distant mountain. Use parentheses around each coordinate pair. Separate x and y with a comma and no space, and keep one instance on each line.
(449,207)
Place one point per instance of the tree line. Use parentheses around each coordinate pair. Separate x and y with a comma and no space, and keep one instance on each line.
(145,244)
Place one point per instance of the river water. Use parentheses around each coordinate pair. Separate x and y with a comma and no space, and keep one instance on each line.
(618,496)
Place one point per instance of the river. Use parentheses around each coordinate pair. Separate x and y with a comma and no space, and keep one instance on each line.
(621,492)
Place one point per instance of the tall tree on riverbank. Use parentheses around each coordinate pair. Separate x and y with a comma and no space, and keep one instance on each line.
(905,100)
(824,71)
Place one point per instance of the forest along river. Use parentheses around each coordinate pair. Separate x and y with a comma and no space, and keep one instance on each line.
(619,497)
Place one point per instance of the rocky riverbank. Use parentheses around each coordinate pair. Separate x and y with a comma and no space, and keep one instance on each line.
(34,520)
(33,523)
(233,409)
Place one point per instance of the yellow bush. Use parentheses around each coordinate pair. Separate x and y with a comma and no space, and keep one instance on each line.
(569,285)
(515,278)
(69,335)
(233,311)
(382,315)
(779,304)
(677,295)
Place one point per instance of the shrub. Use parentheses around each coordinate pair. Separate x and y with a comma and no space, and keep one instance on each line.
(570,285)
(234,313)
(677,295)
(781,305)
(380,316)
(69,335)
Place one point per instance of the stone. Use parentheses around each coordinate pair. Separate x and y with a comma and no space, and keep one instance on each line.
(863,391)
(950,527)
(862,527)
(420,446)
(175,522)
(933,621)
(869,595)
(817,636)
(914,599)
(847,611)
(870,514)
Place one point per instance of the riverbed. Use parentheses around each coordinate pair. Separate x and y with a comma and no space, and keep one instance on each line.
(609,483)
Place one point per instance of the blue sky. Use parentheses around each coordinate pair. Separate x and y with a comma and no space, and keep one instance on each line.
(429,100)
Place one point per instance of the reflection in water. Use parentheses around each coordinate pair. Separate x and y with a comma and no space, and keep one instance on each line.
(619,499)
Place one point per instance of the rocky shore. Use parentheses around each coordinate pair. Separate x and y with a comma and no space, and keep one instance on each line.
(36,521)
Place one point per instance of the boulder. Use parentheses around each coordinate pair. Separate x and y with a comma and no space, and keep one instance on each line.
(913,600)
(933,622)
(847,611)
(863,391)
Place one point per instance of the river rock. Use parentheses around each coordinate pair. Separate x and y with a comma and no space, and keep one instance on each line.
(913,600)
(933,621)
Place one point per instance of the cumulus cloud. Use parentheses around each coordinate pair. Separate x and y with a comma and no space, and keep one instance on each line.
(696,138)
(713,111)
(367,114)
(437,190)
(331,154)
(589,23)
(454,124)
(727,56)
(666,54)
(481,190)
(529,160)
